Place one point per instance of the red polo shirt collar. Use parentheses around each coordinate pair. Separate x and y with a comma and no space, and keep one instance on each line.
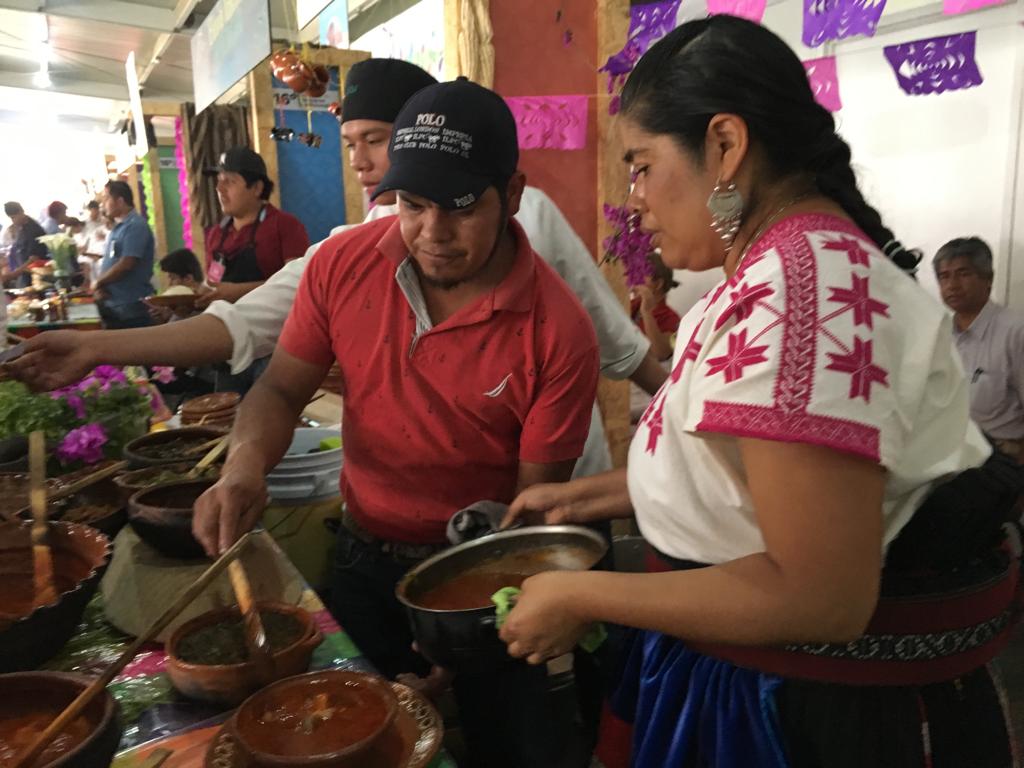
(514,293)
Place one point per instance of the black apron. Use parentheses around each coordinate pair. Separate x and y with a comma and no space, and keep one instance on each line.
(242,266)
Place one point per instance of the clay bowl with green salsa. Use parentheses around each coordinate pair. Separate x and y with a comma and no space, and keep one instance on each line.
(137,480)
(207,657)
(172,446)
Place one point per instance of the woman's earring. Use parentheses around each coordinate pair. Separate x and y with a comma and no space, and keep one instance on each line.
(726,206)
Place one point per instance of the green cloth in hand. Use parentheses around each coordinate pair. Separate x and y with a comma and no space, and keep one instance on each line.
(505,600)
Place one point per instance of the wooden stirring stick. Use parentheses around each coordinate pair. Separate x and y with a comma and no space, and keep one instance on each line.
(255,635)
(92,478)
(208,459)
(42,558)
(86,697)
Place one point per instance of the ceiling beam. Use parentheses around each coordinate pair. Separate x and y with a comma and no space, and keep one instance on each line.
(101,90)
(109,11)
(180,13)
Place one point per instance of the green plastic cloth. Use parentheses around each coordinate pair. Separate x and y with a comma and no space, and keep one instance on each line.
(505,600)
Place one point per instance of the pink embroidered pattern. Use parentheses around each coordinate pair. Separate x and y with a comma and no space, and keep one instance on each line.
(740,355)
(743,301)
(858,298)
(653,416)
(863,372)
(857,255)
(788,419)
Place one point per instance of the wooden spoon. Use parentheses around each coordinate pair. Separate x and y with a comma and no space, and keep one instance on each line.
(84,482)
(42,558)
(76,707)
(221,445)
(255,635)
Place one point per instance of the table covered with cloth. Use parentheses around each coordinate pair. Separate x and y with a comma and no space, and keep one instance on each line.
(154,714)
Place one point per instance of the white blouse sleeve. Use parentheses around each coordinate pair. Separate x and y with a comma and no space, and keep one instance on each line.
(808,343)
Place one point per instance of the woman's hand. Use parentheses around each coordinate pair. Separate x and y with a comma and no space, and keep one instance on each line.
(542,504)
(543,624)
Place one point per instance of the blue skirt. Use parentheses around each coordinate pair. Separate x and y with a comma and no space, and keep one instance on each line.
(689,710)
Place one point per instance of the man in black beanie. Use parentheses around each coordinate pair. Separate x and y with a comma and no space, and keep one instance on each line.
(375,91)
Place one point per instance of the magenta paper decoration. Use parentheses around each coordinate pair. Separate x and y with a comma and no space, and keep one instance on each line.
(550,122)
(936,64)
(647,24)
(186,207)
(824,82)
(745,9)
(836,19)
(954,7)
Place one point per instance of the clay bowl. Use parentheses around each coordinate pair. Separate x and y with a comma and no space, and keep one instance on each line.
(130,483)
(136,452)
(31,636)
(213,403)
(101,506)
(232,683)
(162,517)
(364,706)
(90,741)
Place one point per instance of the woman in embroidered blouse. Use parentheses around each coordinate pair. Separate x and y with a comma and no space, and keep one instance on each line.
(815,401)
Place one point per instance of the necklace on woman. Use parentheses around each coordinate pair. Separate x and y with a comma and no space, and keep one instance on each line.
(768,222)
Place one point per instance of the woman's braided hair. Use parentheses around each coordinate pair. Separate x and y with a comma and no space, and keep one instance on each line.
(724,64)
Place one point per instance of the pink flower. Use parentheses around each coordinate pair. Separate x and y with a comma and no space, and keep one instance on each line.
(84,444)
(162,373)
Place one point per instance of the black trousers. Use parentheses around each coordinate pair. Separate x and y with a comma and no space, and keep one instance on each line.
(514,716)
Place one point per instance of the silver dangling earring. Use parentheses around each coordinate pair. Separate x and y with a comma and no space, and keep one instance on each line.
(726,206)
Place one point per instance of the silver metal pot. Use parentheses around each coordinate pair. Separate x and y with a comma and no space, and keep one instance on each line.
(467,639)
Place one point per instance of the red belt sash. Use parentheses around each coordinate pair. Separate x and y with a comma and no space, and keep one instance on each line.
(914,640)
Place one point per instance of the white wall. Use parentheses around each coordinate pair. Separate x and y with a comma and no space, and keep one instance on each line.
(936,166)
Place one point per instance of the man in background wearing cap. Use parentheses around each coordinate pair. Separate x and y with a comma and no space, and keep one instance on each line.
(126,272)
(248,329)
(254,239)
(470,368)
(25,247)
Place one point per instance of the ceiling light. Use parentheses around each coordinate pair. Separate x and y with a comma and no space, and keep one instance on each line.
(41,79)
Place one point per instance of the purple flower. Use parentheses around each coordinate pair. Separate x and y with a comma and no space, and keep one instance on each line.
(109,373)
(76,404)
(84,444)
(627,245)
(163,373)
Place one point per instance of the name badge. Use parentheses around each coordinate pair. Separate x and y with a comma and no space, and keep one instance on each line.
(216,271)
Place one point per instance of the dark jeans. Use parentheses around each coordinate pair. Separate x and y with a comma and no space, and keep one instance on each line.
(124,316)
(514,716)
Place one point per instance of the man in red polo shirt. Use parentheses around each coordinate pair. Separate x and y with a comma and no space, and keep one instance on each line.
(469,366)
(254,239)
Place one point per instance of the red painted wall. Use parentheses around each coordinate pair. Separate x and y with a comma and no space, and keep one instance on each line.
(531,59)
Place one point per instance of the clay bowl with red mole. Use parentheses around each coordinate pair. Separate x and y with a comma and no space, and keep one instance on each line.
(162,517)
(31,635)
(327,719)
(232,683)
(171,446)
(30,701)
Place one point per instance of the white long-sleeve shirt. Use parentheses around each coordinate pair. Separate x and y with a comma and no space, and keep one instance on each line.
(255,321)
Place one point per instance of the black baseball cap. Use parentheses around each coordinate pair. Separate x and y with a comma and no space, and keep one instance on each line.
(376,89)
(450,142)
(240,160)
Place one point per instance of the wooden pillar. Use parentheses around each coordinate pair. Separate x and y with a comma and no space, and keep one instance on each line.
(261,113)
(198,236)
(452,9)
(612,186)
(156,202)
(261,110)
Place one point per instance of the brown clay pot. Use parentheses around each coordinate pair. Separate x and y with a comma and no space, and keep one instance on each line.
(135,453)
(299,77)
(342,741)
(30,636)
(162,517)
(232,683)
(322,74)
(281,61)
(81,508)
(49,693)
(316,90)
